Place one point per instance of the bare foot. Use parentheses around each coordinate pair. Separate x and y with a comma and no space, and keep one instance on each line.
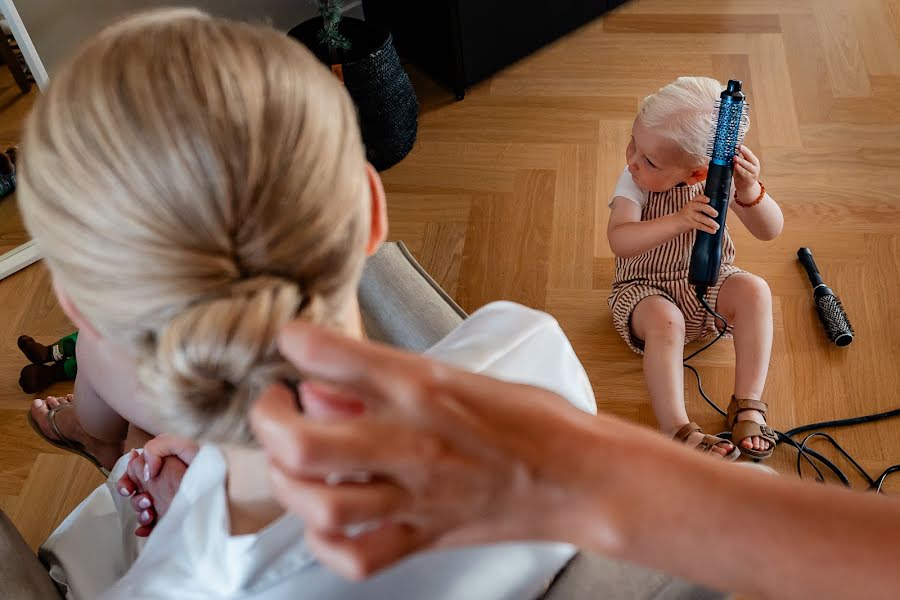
(67,422)
(754,442)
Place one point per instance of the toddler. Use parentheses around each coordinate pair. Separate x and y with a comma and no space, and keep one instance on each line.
(657,206)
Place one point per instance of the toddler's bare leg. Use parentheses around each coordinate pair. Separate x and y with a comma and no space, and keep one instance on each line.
(746,302)
(660,324)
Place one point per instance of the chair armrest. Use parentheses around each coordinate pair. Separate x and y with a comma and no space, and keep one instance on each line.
(401,304)
(22,576)
(588,576)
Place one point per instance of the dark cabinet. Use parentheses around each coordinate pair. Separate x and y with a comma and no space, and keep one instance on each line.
(460,42)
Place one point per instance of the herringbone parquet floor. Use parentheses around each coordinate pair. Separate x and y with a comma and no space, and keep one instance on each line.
(504,197)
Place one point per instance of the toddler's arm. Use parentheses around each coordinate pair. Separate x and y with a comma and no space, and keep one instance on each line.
(629,236)
(764,220)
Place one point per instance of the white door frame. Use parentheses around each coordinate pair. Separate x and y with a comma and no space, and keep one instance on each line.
(28,253)
(24,40)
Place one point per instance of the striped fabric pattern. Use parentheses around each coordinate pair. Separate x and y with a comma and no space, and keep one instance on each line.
(663,271)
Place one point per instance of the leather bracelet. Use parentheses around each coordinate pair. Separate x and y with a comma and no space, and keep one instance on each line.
(762,193)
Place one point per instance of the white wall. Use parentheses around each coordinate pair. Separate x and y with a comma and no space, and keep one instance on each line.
(57,26)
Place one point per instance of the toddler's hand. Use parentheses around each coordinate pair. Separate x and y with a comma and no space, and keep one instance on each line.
(746,173)
(698,214)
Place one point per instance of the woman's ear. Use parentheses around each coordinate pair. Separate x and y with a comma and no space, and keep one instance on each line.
(379,229)
(68,307)
(697,175)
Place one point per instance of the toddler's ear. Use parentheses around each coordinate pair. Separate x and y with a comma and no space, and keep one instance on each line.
(697,175)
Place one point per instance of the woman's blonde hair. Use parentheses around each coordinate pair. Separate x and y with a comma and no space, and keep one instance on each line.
(684,111)
(194,184)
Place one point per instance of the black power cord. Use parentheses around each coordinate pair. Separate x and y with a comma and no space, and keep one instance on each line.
(803,452)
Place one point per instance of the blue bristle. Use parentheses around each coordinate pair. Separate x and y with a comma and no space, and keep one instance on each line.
(730,122)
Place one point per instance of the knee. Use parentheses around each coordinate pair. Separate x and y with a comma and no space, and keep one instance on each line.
(755,294)
(664,325)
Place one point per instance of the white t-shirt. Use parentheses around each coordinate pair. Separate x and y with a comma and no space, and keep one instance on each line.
(626,187)
(191,554)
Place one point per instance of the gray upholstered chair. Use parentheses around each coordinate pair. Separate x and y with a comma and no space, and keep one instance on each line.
(402,306)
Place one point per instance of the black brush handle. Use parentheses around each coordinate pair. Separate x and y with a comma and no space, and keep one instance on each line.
(812,271)
(706,256)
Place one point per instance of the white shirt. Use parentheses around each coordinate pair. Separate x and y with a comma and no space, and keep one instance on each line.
(627,188)
(191,554)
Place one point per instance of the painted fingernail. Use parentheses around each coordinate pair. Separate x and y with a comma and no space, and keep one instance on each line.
(146,472)
(123,491)
(144,503)
(144,517)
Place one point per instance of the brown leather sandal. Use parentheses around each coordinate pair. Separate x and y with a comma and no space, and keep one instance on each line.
(741,430)
(706,444)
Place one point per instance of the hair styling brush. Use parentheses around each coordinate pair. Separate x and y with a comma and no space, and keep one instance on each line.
(831,311)
(725,136)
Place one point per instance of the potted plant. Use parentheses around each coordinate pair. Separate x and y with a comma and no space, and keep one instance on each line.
(364,58)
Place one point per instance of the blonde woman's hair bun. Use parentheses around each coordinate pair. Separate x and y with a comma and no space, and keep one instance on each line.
(215,357)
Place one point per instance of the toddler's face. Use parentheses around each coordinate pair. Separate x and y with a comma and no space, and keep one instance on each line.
(657,163)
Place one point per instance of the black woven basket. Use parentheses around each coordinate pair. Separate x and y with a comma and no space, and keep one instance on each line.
(384,96)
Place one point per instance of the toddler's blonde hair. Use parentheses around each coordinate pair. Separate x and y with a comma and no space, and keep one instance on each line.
(195,184)
(684,111)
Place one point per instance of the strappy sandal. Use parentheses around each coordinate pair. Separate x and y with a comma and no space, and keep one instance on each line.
(706,444)
(741,430)
(64,443)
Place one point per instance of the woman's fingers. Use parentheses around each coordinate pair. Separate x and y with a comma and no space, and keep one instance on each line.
(147,517)
(334,508)
(136,466)
(126,484)
(143,531)
(141,502)
(325,401)
(166,445)
(312,449)
(373,373)
(359,556)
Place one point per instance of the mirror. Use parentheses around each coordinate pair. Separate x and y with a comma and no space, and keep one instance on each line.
(46,31)
(21,77)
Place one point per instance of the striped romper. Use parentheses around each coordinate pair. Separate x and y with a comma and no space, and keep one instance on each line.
(663,271)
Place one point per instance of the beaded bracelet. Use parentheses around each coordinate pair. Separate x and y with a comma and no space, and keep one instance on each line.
(762,193)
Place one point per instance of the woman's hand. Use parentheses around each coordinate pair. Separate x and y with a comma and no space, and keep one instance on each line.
(698,214)
(439,457)
(153,478)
